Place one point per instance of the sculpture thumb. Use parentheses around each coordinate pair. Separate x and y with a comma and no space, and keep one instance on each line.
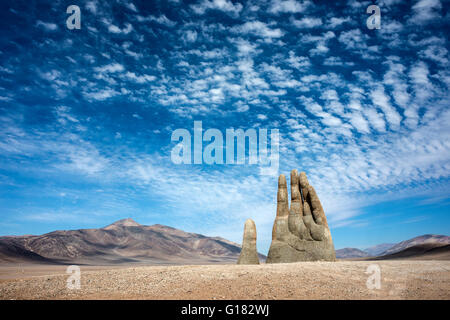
(249,254)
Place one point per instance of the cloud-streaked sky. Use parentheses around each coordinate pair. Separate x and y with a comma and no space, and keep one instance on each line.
(86,116)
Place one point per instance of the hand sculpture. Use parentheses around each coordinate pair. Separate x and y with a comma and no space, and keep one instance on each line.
(300,233)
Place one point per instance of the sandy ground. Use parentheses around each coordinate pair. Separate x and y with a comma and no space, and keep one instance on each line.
(304,280)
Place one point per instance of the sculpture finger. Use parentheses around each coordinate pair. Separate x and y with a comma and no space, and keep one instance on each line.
(303,180)
(307,217)
(316,207)
(317,232)
(249,254)
(282,197)
(295,221)
(296,197)
(280,227)
(249,232)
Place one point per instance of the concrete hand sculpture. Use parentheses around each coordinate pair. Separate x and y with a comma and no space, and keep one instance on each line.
(249,254)
(300,233)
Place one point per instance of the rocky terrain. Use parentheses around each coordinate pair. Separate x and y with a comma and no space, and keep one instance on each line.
(301,280)
(123,242)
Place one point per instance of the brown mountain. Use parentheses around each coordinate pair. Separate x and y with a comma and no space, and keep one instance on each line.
(124,241)
(427,238)
(428,246)
(425,251)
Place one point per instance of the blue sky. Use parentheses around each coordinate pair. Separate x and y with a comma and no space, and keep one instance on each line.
(86,116)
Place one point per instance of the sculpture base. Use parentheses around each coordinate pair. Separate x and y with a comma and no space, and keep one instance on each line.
(281,252)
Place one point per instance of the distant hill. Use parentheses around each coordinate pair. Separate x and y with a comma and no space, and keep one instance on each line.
(426,251)
(347,253)
(10,252)
(124,241)
(378,249)
(427,238)
(418,244)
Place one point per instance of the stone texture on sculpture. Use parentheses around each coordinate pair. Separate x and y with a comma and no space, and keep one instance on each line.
(300,233)
(249,254)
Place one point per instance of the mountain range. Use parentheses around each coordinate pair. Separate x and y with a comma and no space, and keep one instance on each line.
(124,241)
(428,245)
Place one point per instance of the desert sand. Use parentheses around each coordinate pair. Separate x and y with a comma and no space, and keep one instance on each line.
(400,279)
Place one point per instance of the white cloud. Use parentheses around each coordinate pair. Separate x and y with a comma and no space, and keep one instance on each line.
(337,61)
(64,116)
(245,48)
(353,39)
(390,27)
(210,54)
(115,29)
(139,78)
(261,117)
(222,5)
(162,19)
(326,118)
(288,6)
(359,122)
(395,77)
(329,94)
(380,99)
(50,75)
(319,41)
(337,21)
(426,11)
(131,6)
(307,22)
(190,35)
(438,54)
(258,28)
(47,26)
(299,63)
(320,49)
(101,94)
(418,74)
(375,119)
(110,68)
(92,6)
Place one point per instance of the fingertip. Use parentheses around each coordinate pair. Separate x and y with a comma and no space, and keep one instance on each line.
(249,223)
(249,230)
(295,191)
(303,180)
(282,196)
(294,177)
(282,181)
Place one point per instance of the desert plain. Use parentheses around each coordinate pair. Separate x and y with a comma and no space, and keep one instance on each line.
(399,279)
